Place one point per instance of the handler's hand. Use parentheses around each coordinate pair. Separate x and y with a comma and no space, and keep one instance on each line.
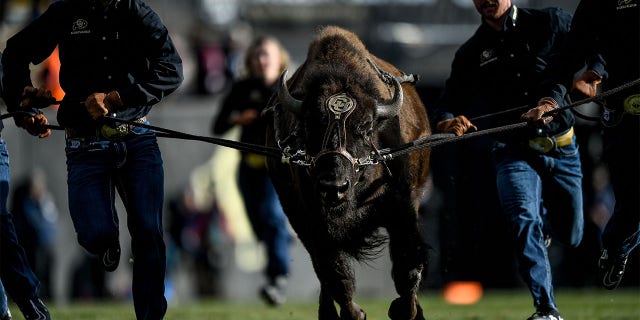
(36,125)
(458,125)
(100,104)
(95,105)
(542,114)
(587,83)
(36,98)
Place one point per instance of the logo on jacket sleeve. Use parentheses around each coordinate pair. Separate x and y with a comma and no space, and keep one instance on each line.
(80,26)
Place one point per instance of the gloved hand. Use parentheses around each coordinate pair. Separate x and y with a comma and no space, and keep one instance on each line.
(36,125)
(542,114)
(458,125)
(36,98)
(99,104)
(587,83)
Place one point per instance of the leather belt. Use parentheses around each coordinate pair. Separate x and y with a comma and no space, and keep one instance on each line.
(104,132)
(546,144)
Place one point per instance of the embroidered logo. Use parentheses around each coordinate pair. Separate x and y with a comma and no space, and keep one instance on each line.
(80,26)
(487,56)
(625,4)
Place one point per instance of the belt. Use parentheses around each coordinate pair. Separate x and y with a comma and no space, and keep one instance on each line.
(546,144)
(104,132)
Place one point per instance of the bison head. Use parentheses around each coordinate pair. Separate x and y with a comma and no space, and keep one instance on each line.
(340,116)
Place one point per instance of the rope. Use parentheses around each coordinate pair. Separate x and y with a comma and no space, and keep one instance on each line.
(167,133)
(569,106)
(417,145)
(429,141)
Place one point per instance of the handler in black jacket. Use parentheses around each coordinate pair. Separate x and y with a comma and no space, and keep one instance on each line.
(116,59)
(605,38)
(537,169)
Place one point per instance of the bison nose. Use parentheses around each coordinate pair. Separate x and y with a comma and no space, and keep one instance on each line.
(333,190)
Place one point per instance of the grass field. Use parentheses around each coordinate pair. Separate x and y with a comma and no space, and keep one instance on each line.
(592,304)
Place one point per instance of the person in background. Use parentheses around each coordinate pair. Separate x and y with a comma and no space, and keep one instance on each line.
(16,274)
(604,43)
(117,59)
(538,169)
(265,60)
(36,218)
(195,233)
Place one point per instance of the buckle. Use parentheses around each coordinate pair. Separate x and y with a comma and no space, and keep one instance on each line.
(120,131)
(113,133)
(546,144)
(542,144)
(632,104)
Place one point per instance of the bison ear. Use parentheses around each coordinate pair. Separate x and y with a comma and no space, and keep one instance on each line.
(286,99)
(391,109)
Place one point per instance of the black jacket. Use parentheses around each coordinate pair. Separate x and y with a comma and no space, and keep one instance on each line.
(499,70)
(123,46)
(605,35)
(245,94)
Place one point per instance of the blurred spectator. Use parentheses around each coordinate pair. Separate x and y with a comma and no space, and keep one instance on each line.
(196,230)
(36,219)
(236,43)
(265,60)
(88,279)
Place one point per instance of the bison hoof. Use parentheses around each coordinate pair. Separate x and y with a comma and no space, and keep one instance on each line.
(353,313)
(403,309)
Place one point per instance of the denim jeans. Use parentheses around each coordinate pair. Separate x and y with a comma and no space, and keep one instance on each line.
(18,278)
(267,218)
(4,306)
(622,155)
(534,187)
(133,167)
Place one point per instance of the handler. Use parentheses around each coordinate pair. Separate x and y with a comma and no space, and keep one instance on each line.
(538,169)
(116,59)
(605,35)
(21,282)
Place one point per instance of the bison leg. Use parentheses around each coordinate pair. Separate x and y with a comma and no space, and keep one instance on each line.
(327,309)
(409,256)
(337,284)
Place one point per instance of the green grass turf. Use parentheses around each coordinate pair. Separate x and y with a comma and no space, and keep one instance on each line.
(591,304)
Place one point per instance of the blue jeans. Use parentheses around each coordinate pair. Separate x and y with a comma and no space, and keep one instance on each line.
(133,167)
(622,155)
(18,278)
(4,307)
(267,218)
(533,186)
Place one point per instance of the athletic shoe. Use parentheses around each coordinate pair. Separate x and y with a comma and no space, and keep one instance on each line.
(111,259)
(611,269)
(274,292)
(34,309)
(6,316)
(546,315)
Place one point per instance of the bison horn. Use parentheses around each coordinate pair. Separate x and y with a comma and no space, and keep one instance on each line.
(286,99)
(391,109)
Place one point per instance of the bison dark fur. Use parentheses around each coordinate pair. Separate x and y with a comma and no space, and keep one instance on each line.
(338,209)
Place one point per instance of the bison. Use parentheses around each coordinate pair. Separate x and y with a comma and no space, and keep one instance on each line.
(331,120)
